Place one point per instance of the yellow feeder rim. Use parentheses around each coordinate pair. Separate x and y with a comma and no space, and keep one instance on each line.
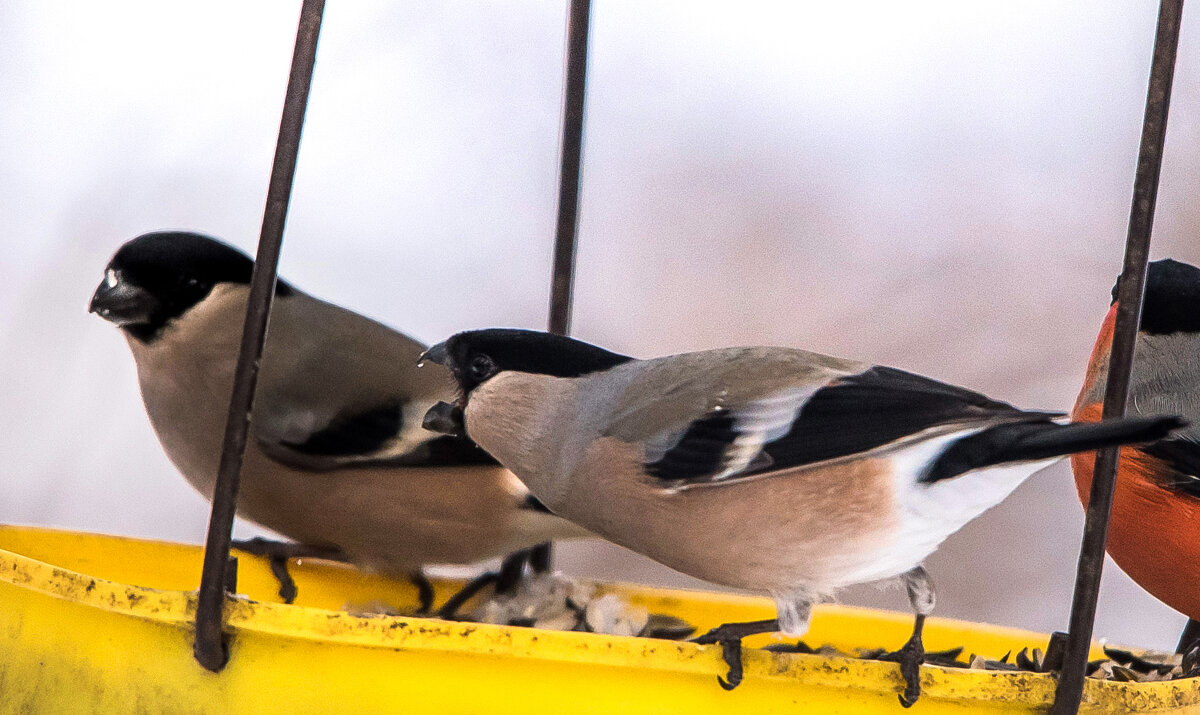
(94,623)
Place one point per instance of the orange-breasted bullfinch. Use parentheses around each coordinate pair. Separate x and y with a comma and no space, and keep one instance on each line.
(768,469)
(1154,534)
(337,457)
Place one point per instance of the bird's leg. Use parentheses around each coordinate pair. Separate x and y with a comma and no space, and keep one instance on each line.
(424,591)
(507,578)
(910,657)
(730,637)
(512,571)
(449,609)
(539,558)
(737,631)
(793,618)
(279,552)
(1191,634)
(912,654)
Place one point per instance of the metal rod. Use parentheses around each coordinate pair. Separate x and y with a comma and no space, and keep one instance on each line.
(209,647)
(1187,639)
(1129,311)
(562,282)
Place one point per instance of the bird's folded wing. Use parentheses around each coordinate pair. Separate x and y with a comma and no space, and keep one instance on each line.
(388,435)
(798,425)
(382,436)
(338,390)
(1182,458)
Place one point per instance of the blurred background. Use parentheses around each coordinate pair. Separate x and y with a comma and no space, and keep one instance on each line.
(938,186)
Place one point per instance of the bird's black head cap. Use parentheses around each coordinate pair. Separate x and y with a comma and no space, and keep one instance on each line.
(157,277)
(477,355)
(1172,302)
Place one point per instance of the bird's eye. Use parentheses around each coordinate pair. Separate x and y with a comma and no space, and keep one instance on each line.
(481,367)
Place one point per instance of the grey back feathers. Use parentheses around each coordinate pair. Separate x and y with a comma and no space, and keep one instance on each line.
(1166,371)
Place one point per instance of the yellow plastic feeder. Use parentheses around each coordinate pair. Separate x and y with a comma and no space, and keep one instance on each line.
(92,623)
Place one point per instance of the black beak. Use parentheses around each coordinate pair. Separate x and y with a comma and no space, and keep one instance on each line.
(122,303)
(446,419)
(435,354)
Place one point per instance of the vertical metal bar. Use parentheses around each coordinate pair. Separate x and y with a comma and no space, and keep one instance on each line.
(1187,639)
(1129,311)
(562,282)
(209,648)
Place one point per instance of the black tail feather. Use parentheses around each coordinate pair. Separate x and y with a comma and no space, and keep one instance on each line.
(1029,441)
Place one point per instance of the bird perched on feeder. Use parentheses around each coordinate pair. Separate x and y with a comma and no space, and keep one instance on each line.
(767,469)
(1154,533)
(337,458)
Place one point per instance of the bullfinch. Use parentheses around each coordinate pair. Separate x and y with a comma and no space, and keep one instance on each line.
(760,468)
(337,460)
(1154,533)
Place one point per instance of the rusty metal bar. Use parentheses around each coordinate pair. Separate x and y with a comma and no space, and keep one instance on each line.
(1187,639)
(562,282)
(1129,311)
(209,647)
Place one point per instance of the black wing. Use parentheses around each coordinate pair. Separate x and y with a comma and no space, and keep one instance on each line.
(360,433)
(700,452)
(1182,456)
(532,503)
(443,451)
(361,439)
(849,416)
(1042,438)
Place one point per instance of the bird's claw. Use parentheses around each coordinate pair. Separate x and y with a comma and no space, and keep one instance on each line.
(731,651)
(730,637)
(277,554)
(910,657)
(287,585)
(449,609)
(424,592)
